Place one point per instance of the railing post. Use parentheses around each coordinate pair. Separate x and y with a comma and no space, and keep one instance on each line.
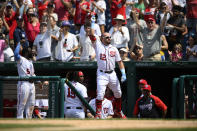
(62,96)
(181,96)
(174,97)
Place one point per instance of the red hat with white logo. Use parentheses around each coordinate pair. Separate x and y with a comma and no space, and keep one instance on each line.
(143,82)
(146,87)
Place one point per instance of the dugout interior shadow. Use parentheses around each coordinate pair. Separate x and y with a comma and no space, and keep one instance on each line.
(160,80)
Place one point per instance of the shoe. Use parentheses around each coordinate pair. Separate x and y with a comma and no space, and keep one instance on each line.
(120,115)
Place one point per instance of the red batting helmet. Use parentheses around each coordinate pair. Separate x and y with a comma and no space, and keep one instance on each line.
(143,82)
(146,87)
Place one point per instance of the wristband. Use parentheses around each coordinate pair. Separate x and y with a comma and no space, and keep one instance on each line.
(123,71)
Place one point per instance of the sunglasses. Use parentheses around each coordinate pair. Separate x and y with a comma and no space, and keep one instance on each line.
(150,22)
(108,37)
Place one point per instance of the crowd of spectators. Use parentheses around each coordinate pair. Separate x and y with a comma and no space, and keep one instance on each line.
(58,30)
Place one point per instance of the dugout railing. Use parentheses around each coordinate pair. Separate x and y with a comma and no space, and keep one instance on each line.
(184,97)
(56,93)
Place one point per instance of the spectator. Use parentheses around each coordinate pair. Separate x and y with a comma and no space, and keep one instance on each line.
(67,43)
(99,7)
(82,9)
(87,50)
(150,9)
(137,53)
(140,5)
(10,18)
(191,49)
(117,7)
(50,11)
(129,6)
(8,54)
(19,33)
(107,107)
(171,3)
(192,15)
(54,35)
(2,47)
(63,10)
(119,33)
(92,18)
(32,25)
(147,105)
(176,54)
(73,107)
(124,54)
(22,6)
(42,7)
(133,29)
(177,25)
(151,38)
(42,43)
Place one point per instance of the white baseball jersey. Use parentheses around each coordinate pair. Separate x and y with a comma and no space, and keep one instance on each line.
(43,44)
(25,89)
(62,47)
(41,103)
(107,108)
(106,56)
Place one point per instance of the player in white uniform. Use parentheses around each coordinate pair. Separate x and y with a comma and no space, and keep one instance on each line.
(25,89)
(73,107)
(107,55)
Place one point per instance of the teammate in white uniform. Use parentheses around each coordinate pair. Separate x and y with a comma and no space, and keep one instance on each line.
(25,89)
(107,55)
(73,107)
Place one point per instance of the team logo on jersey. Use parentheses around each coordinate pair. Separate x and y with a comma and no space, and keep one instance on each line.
(112,53)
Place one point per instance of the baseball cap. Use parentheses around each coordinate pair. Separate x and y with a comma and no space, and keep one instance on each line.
(9,5)
(146,87)
(44,23)
(54,15)
(119,17)
(80,73)
(143,82)
(66,23)
(124,49)
(150,18)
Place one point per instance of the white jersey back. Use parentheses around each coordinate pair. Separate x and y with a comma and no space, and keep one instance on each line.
(107,108)
(106,56)
(70,97)
(25,67)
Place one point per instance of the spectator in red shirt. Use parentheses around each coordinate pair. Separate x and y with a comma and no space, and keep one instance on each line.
(82,10)
(42,6)
(147,105)
(10,18)
(32,25)
(117,7)
(62,8)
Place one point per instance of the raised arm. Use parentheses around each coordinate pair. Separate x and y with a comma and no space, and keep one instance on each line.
(16,52)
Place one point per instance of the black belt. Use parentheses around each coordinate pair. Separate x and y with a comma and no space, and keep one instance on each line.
(109,72)
(73,107)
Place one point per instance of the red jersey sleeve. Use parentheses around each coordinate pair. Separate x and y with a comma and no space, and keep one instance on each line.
(136,107)
(159,103)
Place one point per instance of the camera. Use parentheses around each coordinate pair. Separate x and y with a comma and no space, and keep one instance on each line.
(40,43)
(65,43)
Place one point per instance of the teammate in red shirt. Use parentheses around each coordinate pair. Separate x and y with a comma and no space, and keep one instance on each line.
(148,105)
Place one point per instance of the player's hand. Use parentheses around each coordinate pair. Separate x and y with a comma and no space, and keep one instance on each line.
(123,78)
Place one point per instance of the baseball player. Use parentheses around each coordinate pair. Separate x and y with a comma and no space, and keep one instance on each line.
(148,105)
(73,107)
(107,55)
(41,108)
(25,89)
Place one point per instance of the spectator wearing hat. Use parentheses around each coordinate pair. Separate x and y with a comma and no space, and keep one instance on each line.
(119,33)
(42,7)
(191,49)
(42,43)
(10,17)
(133,29)
(99,6)
(124,54)
(87,50)
(67,43)
(50,11)
(140,5)
(19,33)
(117,7)
(148,105)
(151,38)
(32,24)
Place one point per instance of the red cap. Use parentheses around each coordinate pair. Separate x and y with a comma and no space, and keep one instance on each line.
(146,87)
(80,73)
(149,18)
(143,82)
